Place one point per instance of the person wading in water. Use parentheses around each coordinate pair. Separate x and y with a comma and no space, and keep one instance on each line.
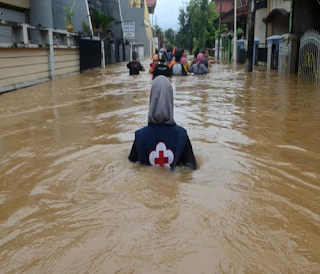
(199,68)
(162,68)
(135,66)
(162,142)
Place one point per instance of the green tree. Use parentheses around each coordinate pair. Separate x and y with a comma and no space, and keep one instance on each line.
(157,32)
(184,35)
(170,36)
(197,25)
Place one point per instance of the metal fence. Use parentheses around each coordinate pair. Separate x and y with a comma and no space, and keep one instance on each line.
(285,58)
(309,57)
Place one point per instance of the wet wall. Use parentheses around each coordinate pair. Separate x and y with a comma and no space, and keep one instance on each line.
(305,16)
(80,14)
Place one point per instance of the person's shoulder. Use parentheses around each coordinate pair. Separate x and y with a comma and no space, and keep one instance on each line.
(141,130)
(180,129)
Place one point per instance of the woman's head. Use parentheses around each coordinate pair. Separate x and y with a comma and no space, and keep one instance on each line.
(161,102)
(183,60)
(178,55)
(199,59)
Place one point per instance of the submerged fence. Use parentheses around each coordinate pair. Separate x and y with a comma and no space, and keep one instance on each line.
(285,58)
(309,57)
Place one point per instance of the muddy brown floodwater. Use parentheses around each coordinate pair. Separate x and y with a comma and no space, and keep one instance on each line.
(70,202)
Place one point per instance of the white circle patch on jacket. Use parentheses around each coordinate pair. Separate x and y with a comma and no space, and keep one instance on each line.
(161,156)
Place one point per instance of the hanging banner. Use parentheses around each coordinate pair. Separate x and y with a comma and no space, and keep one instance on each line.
(129,30)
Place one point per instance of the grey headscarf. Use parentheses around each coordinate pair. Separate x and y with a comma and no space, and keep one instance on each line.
(161,102)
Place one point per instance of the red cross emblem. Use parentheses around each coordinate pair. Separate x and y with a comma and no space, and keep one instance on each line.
(161,156)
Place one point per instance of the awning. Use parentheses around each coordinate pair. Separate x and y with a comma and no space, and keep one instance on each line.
(274,13)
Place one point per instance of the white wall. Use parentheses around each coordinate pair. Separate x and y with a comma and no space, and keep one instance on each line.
(280,4)
(260,26)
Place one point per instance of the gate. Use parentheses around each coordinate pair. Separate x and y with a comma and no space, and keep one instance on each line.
(285,58)
(90,54)
(309,57)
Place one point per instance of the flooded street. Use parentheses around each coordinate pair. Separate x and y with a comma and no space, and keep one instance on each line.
(71,202)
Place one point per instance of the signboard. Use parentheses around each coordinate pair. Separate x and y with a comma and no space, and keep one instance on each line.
(129,30)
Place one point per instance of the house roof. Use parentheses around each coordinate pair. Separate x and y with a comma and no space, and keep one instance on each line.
(151,5)
(274,13)
(152,2)
(229,16)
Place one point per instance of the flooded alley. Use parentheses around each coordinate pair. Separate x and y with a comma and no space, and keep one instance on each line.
(71,202)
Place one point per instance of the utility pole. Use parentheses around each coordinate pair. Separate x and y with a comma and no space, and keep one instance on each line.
(250,35)
(219,37)
(235,34)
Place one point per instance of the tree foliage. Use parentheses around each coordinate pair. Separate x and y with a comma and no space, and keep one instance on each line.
(170,37)
(157,32)
(197,25)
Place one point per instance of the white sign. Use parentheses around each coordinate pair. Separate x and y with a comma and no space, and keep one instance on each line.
(129,30)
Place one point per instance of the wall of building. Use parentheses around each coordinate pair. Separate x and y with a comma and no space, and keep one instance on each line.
(41,13)
(25,4)
(148,28)
(18,66)
(111,8)
(305,16)
(280,4)
(10,15)
(26,66)
(143,32)
(260,27)
(66,61)
(80,13)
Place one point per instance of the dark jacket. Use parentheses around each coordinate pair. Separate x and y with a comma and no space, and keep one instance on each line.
(135,67)
(162,69)
(163,145)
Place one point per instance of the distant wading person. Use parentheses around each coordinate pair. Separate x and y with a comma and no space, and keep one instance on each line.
(162,142)
(184,60)
(199,68)
(135,66)
(162,68)
(178,69)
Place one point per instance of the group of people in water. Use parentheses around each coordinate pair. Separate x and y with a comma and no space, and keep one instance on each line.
(162,142)
(173,63)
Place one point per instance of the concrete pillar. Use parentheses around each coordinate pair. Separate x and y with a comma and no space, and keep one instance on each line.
(51,55)
(121,58)
(103,58)
(127,53)
(113,53)
(20,34)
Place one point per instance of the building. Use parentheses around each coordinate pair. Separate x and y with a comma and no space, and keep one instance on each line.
(278,17)
(34,44)
(227,14)
(114,48)
(305,16)
(137,13)
(44,13)
(226,5)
